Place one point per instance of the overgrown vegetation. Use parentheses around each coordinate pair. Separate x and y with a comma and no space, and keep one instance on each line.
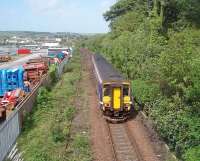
(52,73)
(156,44)
(46,135)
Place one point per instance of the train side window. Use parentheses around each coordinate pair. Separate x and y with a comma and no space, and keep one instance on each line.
(106,90)
(126,90)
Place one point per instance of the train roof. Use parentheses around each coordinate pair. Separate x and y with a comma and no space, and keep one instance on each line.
(106,70)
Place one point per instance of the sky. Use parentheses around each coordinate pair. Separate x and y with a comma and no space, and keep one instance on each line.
(80,16)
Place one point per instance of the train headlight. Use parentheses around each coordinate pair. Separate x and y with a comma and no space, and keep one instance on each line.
(106,101)
(127,103)
(106,104)
(127,106)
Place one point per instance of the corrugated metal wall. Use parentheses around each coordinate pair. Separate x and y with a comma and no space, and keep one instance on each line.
(61,67)
(9,131)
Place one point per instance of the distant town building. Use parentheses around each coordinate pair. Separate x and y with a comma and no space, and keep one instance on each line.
(58,39)
(50,44)
(11,41)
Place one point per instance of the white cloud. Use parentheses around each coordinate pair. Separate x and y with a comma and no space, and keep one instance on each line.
(44,5)
(72,15)
(106,4)
(54,8)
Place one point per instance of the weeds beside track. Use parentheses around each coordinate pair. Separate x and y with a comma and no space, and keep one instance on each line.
(47,131)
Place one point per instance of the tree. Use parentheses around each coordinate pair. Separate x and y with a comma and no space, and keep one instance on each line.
(122,7)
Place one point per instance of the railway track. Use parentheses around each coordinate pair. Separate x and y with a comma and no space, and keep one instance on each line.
(127,141)
(123,144)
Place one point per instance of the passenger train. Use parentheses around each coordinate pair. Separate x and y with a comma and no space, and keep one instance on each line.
(114,91)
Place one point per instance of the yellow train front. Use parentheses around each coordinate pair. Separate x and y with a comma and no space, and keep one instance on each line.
(114,92)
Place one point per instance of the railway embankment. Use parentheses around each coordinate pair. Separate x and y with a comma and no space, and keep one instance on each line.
(131,140)
(160,54)
(50,131)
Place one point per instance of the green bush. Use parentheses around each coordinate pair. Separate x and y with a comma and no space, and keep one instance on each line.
(69,113)
(144,91)
(193,154)
(43,95)
(179,128)
(57,133)
(42,102)
(52,73)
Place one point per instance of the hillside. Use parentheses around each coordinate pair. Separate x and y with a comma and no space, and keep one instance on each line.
(155,43)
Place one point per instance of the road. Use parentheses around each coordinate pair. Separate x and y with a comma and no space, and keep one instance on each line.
(21,61)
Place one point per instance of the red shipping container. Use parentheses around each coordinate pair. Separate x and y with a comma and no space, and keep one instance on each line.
(23,51)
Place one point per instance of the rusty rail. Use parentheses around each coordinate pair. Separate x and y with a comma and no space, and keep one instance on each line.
(123,145)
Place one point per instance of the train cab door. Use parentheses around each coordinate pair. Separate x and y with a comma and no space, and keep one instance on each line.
(116,98)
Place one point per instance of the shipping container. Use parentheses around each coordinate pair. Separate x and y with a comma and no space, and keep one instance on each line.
(23,51)
(11,79)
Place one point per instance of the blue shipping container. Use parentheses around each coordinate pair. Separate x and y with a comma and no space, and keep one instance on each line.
(3,82)
(1,92)
(11,79)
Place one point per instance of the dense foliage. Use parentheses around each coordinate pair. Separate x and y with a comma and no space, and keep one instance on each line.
(156,44)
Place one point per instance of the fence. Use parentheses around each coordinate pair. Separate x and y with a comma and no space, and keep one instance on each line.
(11,128)
(61,67)
(9,131)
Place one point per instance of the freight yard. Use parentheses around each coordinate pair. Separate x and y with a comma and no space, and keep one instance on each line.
(19,83)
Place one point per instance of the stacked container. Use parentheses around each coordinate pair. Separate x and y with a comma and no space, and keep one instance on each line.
(3,83)
(11,79)
(59,55)
(23,51)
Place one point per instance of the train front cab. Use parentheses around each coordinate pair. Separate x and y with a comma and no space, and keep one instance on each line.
(116,99)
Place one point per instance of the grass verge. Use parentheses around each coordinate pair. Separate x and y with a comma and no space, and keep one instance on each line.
(46,134)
